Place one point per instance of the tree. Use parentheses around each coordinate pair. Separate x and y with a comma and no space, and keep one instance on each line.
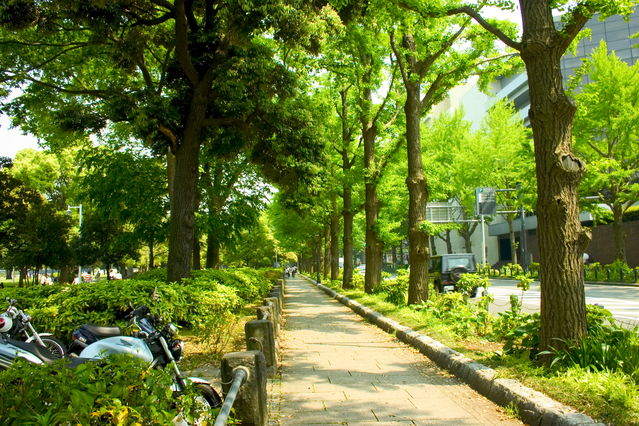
(128,188)
(502,146)
(561,237)
(106,240)
(447,153)
(53,174)
(234,195)
(254,247)
(606,135)
(32,232)
(167,72)
(438,54)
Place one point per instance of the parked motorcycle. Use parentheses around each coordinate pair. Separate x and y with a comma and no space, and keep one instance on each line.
(153,343)
(11,350)
(20,328)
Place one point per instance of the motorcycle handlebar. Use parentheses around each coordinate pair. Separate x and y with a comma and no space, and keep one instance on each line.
(139,312)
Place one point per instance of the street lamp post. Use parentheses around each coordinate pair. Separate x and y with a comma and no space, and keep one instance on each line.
(319,243)
(79,234)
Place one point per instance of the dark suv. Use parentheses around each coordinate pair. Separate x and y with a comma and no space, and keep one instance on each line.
(446,270)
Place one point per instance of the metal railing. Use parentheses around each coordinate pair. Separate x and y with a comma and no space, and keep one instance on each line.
(240,376)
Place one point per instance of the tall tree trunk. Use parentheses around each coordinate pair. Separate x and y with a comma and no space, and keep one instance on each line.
(23,275)
(185,191)
(401,253)
(418,197)
(617,229)
(347,212)
(63,278)
(170,172)
(197,264)
(513,242)
(374,247)
(394,255)
(334,240)
(560,236)
(212,251)
(151,255)
(327,250)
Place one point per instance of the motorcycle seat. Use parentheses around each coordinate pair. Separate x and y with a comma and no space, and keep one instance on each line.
(103,330)
(37,350)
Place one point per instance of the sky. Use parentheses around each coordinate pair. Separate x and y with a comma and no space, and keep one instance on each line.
(12,140)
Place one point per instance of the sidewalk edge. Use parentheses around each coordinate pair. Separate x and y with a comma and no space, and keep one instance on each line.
(535,408)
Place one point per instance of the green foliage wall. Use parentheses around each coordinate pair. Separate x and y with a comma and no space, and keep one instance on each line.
(60,310)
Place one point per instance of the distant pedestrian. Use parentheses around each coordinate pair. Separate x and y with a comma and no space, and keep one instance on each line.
(293,270)
(288,273)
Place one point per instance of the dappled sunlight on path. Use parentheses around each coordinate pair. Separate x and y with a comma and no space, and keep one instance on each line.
(338,369)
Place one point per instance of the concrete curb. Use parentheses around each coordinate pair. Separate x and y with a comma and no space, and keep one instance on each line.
(535,408)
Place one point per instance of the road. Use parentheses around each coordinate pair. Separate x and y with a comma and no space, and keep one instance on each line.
(621,301)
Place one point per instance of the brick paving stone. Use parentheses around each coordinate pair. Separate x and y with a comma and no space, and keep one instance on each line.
(337,369)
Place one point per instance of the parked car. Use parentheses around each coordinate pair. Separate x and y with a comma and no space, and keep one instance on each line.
(446,270)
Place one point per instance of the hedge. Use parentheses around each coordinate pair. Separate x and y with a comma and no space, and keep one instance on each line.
(60,309)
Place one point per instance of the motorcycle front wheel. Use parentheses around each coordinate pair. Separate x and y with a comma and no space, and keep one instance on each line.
(55,346)
(209,395)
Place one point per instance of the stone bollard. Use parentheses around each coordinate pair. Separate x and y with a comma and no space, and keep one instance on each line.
(251,402)
(277,310)
(260,336)
(276,292)
(266,312)
(283,284)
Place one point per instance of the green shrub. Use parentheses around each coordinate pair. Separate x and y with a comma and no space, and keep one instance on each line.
(609,347)
(60,310)
(358,280)
(395,291)
(156,274)
(468,282)
(631,214)
(120,390)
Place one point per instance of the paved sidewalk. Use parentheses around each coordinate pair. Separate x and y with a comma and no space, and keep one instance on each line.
(338,369)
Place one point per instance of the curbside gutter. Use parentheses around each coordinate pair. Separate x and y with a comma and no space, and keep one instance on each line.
(535,408)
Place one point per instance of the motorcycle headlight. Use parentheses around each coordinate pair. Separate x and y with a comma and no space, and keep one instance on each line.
(177,349)
(5,323)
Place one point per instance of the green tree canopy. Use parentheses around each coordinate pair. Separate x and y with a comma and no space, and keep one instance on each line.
(607,137)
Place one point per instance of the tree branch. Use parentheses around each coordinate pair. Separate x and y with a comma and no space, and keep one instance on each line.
(164,3)
(399,58)
(383,162)
(102,94)
(188,5)
(173,140)
(578,21)
(165,65)
(597,150)
(151,22)
(431,91)
(181,44)
(209,14)
(390,88)
(145,72)
(488,27)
